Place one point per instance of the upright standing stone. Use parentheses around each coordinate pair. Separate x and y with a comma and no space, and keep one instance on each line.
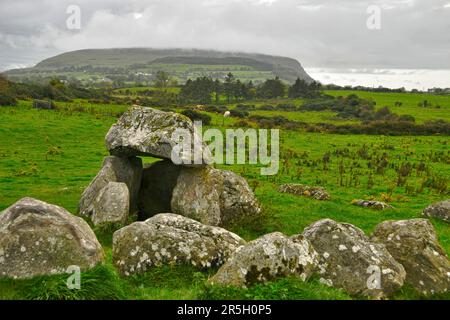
(112,204)
(215,197)
(114,169)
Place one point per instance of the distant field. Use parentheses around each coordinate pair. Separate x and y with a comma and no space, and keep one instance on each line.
(410,103)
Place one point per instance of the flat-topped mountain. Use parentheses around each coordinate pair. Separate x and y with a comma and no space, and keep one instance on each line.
(98,64)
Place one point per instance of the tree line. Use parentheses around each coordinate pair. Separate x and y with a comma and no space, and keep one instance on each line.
(205,90)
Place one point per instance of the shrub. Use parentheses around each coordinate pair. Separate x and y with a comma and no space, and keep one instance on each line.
(267,107)
(286,107)
(245,107)
(197,116)
(238,113)
(7,100)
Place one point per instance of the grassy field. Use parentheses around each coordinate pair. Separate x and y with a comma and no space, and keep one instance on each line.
(53,155)
(439,108)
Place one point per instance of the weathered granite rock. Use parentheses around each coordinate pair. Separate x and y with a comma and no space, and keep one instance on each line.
(158,181)
(149,132)
(268,257)
(377,205)
(114,169)
(439,210)
(237,201)
(414,244)
(37,238)
(317,193)
(214,197)
(171,239)
(350,261)
(112,204)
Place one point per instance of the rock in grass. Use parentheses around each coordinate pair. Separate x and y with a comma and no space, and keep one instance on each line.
(439,210)
(317,193)
(269,257)
(349,260)
(148,132)
(158,181)
(114,169)
(37,238)
(168,239)
(414,244)
(214,197)
(377,205)
(112,204)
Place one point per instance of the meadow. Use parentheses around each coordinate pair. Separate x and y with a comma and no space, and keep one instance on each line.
(52,155)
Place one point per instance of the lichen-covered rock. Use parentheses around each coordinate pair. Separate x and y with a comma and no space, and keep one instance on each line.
(317,193)
(214,197)
(158,181)
(148,132)
(37,238)
(414,244)
(171,239)
(114,169)
(439,210)
(196,195)
(237,201)
(112,204)
(268,257)
(350,261)
(377,205)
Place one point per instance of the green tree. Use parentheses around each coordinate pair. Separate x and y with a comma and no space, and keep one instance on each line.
(228,86)
(271,88)
(162,80)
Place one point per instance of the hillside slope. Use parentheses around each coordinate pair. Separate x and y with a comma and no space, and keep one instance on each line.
(180,63)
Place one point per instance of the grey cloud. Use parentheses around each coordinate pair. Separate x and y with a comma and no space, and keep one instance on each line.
(319,33)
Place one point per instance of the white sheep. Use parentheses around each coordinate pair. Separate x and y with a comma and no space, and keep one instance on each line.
(225,115)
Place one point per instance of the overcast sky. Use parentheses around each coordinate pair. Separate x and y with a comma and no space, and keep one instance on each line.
(414,34)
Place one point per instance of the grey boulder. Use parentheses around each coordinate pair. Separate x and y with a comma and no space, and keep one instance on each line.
(112,204)
(317,193)
(414,244)
(37,238)
(372,204)
(145,131)
(269,257)
(114,169)
(350,261)
(168,239)
(214,197)
(439,210)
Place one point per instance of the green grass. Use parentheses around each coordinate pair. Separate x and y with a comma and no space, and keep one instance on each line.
(53,155)
(99,283)
(410,103)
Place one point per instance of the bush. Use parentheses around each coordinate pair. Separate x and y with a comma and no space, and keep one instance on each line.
(245,107)
(286,107)
(197,116)
(267,107)
(216,109)
(238,113)
(7,100)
